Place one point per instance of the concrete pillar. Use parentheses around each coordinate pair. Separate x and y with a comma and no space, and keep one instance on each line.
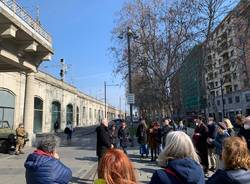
(29,107)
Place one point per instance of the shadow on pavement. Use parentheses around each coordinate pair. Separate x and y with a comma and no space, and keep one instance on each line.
(81,181)
(94,159)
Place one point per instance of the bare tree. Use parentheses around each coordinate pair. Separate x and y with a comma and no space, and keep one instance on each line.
(166,32)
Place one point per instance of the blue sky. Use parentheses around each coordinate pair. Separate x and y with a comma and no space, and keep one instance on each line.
(81,32)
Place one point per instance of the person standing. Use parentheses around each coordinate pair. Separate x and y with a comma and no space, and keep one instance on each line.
(245,131)
(113,135)
(165,130)
(200,140)
(68,131)
(141,134)
(123,136)
(152,133)
(103,139)
(230,127)
(182,127)
(211,148)
(179,162)
(20,142)
(43,166)
(218,141)
(56,126)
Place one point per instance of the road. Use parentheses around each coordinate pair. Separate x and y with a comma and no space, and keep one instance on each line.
(79,155)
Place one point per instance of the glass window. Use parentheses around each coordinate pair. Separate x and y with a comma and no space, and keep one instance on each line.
(56,115)
(218,102)
(237,99)
(69,115)
(38,115)
(248,97)
(230,100)
(7,107)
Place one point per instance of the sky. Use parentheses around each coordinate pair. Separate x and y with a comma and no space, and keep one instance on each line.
(81,33)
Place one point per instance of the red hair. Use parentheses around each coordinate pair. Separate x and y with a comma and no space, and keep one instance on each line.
(115,167)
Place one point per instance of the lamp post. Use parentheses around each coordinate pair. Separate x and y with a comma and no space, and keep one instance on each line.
(129,34)
(105,96)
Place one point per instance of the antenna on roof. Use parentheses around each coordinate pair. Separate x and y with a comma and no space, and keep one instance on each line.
(38,15)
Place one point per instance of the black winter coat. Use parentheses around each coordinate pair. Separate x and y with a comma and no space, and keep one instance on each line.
(103,140)
(165,130)
(123,135)
(246,134)
(239,176)
(141,134)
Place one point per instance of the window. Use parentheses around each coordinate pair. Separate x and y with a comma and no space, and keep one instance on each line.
(236,87)
(224,101)
(90,113)
(216,84)
(217,93)
(218,102)
(7,106)
(237,99)
(248,97)
(38,115)
(230,100)
(69,114)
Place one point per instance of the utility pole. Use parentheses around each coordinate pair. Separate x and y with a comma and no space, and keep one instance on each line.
(105,99)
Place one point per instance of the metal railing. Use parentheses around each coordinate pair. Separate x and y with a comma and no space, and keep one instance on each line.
(21,13)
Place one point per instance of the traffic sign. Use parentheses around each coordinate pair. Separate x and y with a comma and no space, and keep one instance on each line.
(131,98)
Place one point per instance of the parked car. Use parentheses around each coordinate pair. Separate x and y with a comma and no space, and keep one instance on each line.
(7,138)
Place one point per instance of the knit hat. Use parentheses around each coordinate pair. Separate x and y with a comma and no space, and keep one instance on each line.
(222,125)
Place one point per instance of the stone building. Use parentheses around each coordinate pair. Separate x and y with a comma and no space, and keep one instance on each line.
(31,97)
(228,65)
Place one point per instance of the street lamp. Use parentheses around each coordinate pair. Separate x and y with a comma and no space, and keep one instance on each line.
(129,34)
(105,96)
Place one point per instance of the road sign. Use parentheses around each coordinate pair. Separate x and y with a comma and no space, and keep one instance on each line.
(131,98)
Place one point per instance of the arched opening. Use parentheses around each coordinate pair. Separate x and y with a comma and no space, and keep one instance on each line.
(77,116)
(38,115)
(7,106)
(56,115)
(69,114)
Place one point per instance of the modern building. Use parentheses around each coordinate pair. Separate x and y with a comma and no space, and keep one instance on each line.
(187,86)
(31,97)
(191,84)
(228,65)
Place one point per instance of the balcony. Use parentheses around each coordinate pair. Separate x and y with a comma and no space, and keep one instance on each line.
(24,43)
(22,14)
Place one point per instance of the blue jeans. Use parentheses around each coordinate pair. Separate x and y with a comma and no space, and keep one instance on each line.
(144,149)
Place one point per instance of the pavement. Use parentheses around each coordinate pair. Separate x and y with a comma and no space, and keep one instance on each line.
(79,155)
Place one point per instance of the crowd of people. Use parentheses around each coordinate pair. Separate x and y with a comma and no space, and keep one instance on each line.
(183,159)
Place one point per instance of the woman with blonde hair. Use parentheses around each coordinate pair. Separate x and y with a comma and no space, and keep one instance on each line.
(116,168)
(230,127)
(236,160)
(179,162)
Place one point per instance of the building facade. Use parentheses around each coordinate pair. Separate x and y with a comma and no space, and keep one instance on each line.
(228,65)
(54,101)
(188,89)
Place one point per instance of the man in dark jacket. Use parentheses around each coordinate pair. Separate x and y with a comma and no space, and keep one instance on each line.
(165,130)
(123,135)
(200,138)
(43,165)
(245,131)
(103,139)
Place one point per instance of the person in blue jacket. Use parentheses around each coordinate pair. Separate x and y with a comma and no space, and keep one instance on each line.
(236,160)
(43,165)
(179,161)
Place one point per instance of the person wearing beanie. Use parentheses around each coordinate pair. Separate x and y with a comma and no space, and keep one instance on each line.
(218,141)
